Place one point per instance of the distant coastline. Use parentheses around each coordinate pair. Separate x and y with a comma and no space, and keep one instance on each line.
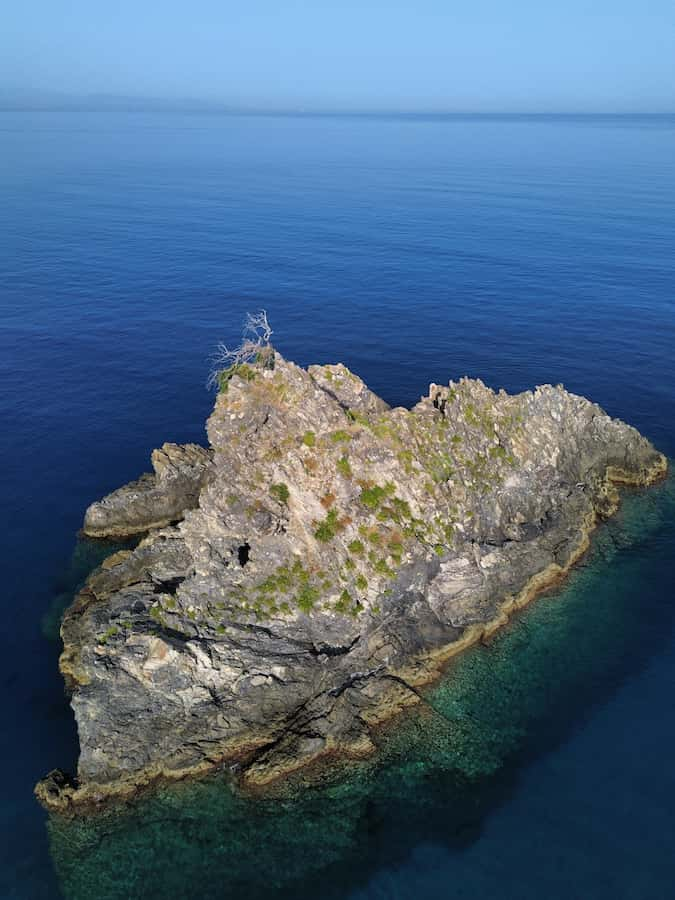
(48,101)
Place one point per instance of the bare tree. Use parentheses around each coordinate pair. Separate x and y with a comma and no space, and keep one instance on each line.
(258,326)
(254,346)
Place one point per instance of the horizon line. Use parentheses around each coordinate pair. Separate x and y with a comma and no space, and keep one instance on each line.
(109,103)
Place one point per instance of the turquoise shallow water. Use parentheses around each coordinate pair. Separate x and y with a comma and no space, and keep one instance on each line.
(452,767)
(521,250)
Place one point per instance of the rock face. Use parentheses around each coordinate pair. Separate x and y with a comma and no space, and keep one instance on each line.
(154,500)
(331,553)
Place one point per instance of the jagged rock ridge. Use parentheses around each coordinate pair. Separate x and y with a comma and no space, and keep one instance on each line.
(303,577)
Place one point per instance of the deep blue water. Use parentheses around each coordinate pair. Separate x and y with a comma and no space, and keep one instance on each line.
(520,250)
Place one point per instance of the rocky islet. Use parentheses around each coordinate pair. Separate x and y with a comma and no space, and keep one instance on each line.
(303,578)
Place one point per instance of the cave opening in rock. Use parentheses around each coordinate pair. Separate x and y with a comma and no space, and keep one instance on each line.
(242,553)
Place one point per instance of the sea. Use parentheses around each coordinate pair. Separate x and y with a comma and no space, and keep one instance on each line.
(522,250)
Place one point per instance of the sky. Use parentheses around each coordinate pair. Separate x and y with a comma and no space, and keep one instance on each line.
(347,55)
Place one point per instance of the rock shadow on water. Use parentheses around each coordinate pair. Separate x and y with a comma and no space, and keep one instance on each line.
(441,769)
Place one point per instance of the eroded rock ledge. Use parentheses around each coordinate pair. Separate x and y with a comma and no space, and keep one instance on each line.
(300,580)
(154,500)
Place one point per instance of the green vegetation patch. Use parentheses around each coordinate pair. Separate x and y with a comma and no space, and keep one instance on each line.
(309,439)
(470,414)
(384,429)
(330,526)
(241,370)
(373,496)
(396,548)
(358,417)
(280,492)
(287,585)
(346,605)
(306,597)
(343,467)
(382,568)
(401,509)
(340,435)
(111,632)
(405,457)
(441,468)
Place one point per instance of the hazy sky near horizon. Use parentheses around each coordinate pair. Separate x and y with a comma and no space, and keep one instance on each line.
(483,55)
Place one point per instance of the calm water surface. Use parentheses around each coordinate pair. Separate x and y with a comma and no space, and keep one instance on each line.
(519,250)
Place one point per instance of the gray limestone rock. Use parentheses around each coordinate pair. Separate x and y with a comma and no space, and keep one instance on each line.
(154,500)
(304,577)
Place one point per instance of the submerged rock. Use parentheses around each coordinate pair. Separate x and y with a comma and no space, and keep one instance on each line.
(303,578)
